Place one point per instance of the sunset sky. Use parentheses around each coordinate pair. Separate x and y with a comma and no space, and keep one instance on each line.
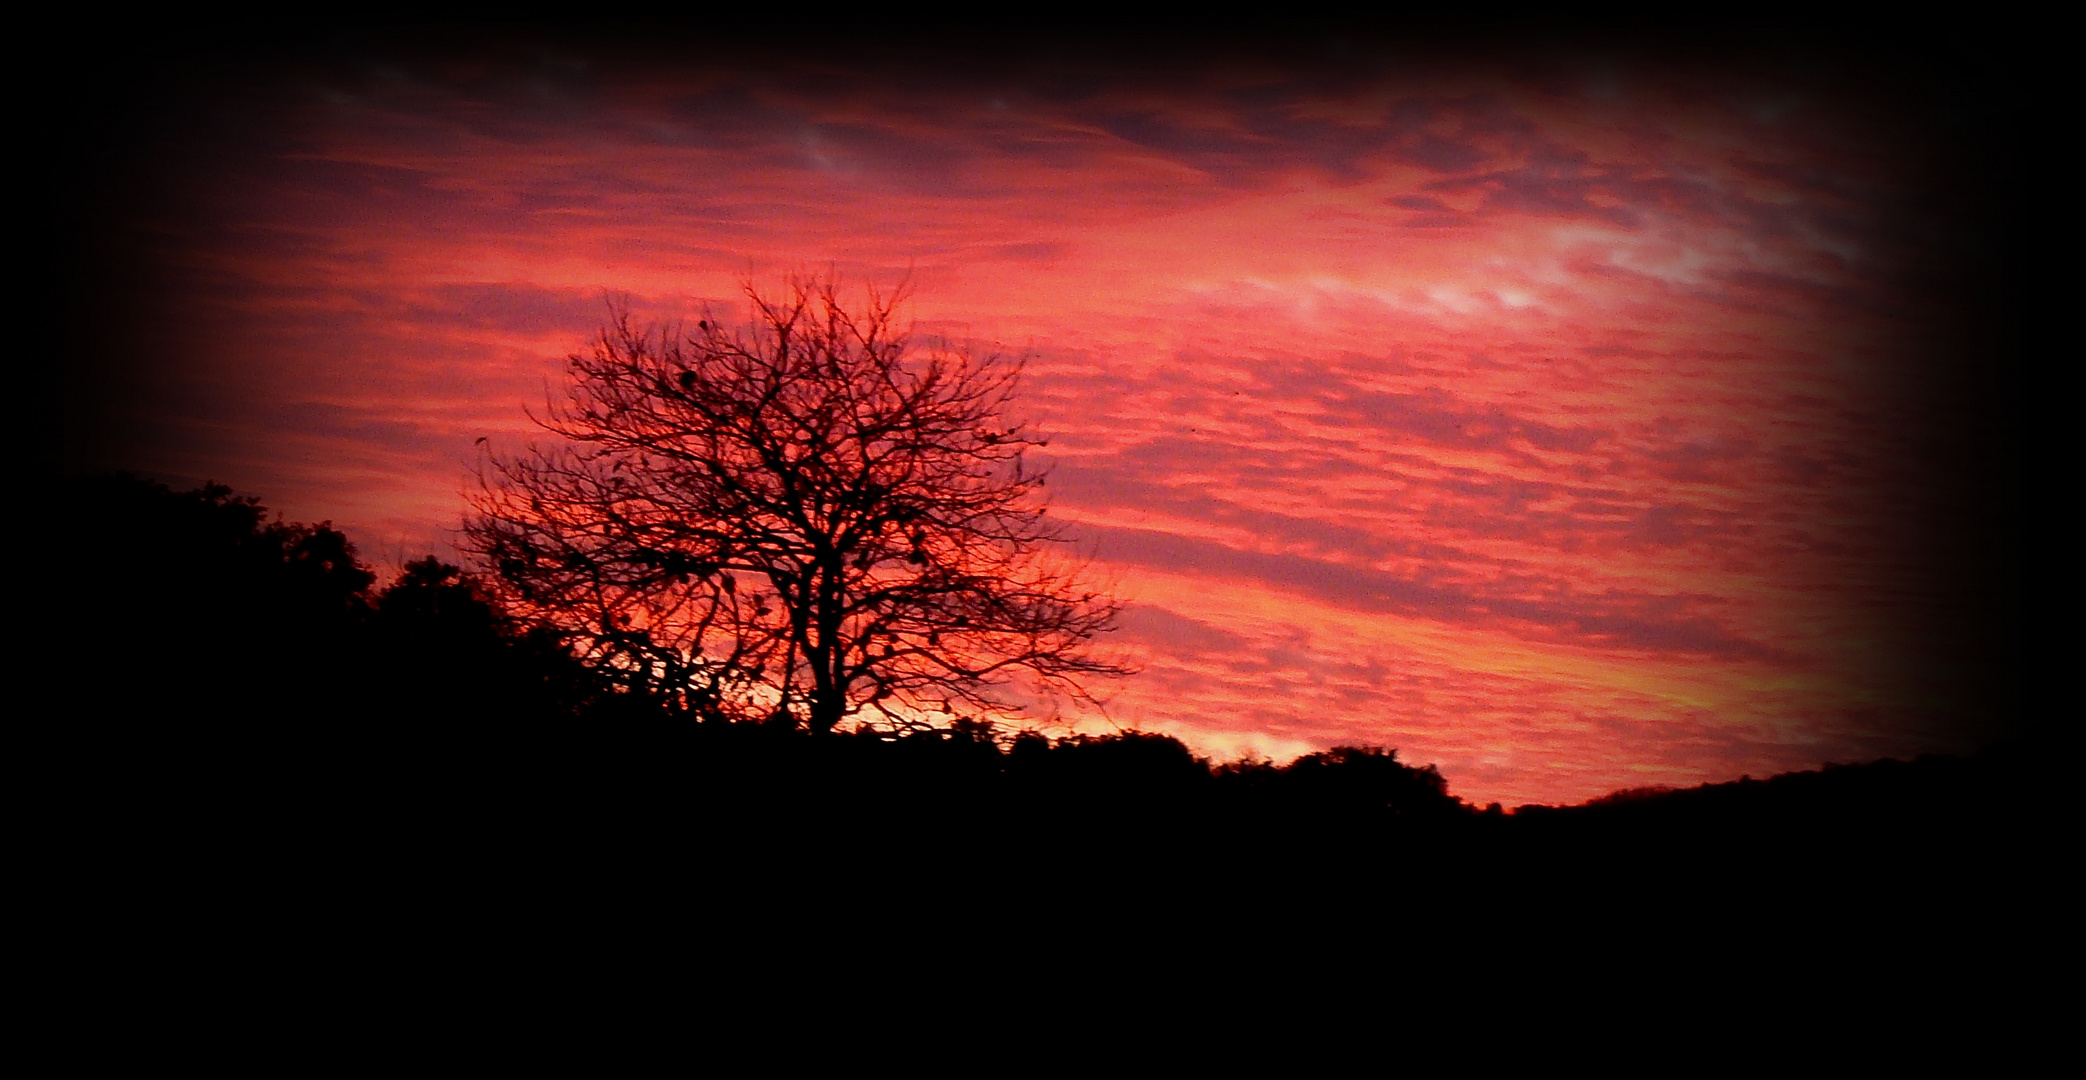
(1572,419)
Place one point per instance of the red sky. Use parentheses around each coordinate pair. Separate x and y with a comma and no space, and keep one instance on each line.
(1573,421)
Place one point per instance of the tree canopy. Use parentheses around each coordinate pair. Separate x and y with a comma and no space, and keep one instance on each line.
(806,520)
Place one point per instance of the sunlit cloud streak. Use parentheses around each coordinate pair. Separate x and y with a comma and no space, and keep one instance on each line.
(1555,428)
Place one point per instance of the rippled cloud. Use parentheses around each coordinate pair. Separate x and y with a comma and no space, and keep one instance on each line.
(1551,428)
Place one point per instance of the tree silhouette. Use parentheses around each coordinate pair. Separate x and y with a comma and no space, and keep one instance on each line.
(804,521)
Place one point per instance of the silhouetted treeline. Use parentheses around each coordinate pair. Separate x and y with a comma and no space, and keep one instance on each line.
(231,692)
(243,698)
(198,605)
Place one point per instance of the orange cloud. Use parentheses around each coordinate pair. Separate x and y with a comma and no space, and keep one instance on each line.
(1543,429)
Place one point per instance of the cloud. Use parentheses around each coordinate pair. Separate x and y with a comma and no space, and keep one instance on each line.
(1636,622)
(1532,418)
(516,307)
(1177,634)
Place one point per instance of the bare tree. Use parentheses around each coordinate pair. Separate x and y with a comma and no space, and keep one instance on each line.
(805,521)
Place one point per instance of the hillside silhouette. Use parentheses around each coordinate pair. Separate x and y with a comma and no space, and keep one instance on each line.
(243,703)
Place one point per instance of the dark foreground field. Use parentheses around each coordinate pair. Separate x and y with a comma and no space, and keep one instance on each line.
(258,754)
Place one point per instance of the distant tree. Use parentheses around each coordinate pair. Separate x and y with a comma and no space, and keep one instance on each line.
(198,582)
(445,653)
(260,631)
(805,521)
(1359,779)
